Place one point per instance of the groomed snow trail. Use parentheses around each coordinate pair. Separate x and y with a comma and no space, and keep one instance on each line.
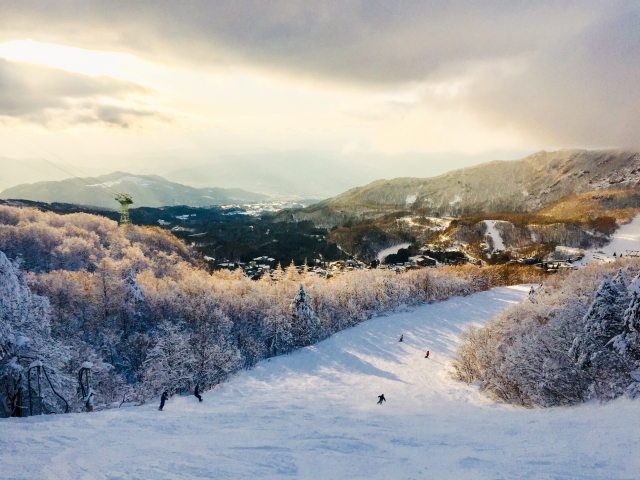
(313,414)
(493,232)
(627,237)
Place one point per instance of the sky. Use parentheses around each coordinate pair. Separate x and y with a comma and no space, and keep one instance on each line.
(88,80)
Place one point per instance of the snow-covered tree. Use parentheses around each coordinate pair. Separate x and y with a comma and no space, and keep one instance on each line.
(628,342)
(169,365)
(305,324)
(25,342)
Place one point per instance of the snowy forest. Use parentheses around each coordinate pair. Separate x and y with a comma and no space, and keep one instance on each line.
(93,315)
(575,338)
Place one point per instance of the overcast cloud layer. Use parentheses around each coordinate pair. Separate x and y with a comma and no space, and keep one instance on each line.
(566,73)
(55,98)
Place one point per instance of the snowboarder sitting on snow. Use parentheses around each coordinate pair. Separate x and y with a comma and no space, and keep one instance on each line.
(426,355)
(196,393)
(401,337)
(163,398)
(381,399)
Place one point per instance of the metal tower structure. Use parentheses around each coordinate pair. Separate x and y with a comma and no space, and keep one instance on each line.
(125,200)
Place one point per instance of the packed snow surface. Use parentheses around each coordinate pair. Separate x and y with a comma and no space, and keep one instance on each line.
(313,414)
(391,250)
(493,232)
(627,237)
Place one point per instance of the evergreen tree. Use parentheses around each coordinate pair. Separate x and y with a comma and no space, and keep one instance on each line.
(306,324)
(620,280)
(605,369)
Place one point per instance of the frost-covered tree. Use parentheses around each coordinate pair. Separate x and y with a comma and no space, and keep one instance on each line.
(214,356)
(628,342)
(169,365)
(25,342)
(602,322)
(620,280)
(305,324)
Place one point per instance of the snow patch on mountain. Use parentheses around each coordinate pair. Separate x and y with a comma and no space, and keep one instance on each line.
(411,199)
(391,250)
(493,232)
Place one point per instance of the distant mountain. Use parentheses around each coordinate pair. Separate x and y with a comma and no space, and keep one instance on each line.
(302,174)
(146,190)
(526,185)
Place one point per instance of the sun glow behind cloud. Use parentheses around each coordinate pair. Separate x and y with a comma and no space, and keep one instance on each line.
(236,107)
(76,60)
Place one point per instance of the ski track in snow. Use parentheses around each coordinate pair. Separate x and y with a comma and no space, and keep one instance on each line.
(493,232)
(313,414)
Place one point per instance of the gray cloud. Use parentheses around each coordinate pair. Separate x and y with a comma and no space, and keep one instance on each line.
(53,97)
(579,58)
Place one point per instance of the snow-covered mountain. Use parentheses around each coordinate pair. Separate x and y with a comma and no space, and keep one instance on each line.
(313,414)
(525,185)
(146,190)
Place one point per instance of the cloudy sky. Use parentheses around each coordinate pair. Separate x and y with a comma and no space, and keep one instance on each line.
(84,78)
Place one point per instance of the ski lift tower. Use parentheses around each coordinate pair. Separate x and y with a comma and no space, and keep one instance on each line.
(125,200)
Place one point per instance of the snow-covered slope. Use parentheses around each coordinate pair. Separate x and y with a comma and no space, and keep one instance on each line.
(493,232)
(313,414)
(627,237)
(391,250)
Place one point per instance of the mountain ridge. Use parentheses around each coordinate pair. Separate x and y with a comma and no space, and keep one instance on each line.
(146,190)
(525,185)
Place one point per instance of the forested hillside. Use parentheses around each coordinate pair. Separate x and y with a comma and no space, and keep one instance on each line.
(134,303)
(526,185)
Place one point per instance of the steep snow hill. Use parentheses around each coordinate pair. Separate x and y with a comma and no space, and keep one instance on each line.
(313,414)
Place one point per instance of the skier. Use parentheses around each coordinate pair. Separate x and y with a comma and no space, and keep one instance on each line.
(163,398)
(426,355)
(196,393)
(401,337)
(381,399)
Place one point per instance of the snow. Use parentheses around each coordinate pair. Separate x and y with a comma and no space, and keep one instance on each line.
(313,414)
(411,199)
(391,250)
(627,237)
(492,231)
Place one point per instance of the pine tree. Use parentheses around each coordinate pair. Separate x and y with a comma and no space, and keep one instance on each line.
(306,324)
(605,369)
(620,280)
(628,342)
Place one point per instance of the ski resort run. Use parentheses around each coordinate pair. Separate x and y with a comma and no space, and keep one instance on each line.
(493,232)
(625,241)
(313,414)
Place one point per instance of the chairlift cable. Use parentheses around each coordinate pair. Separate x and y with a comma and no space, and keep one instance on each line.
(40,157)
(68,163)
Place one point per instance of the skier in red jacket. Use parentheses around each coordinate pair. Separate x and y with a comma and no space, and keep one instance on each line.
(426,355)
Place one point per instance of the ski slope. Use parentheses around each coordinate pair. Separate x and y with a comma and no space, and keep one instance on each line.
(627,237)
(493,232)
(313,414)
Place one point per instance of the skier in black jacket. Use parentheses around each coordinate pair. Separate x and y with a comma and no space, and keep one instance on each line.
(381,399)
(163,398)
(401,337)
(196,393)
